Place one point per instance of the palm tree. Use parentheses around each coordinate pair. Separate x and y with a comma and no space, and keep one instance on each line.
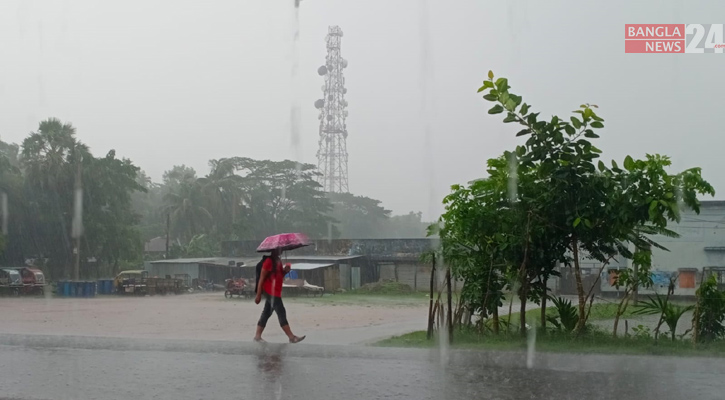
(50,158)
(185,205)
(669,313)
(222,188)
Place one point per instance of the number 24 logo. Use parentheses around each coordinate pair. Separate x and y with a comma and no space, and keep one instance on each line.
(714,38)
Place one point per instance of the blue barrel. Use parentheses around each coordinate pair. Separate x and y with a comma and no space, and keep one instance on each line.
(66,289)
(79,288)
(100,287)
(108,286)
(59,288)
(90,289)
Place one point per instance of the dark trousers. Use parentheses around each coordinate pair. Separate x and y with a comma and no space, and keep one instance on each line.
(273,303)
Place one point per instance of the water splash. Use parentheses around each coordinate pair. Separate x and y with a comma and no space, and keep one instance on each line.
(77,227)
(427,106)
(444,340)
(513,181)
(295,109)
(298,169)
(531,346)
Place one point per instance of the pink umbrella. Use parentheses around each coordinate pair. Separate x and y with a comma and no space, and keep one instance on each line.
(284,241)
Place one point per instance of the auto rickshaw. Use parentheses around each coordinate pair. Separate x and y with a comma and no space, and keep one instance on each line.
(131,282)
(10,282)
(33,280)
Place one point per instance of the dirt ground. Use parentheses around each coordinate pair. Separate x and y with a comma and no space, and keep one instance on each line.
(209,316)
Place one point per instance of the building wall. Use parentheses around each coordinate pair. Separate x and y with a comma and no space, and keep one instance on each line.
(172,269)
(685,261)
(337,247)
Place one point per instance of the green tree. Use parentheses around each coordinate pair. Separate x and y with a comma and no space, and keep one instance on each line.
(358,217)
(223,190)
(110,223)
(185,204)
(11,187)
(282,196)
(595,209)
(708,320)
(630,280)
(148,205)
(40,186)
(177,175)
(50,158)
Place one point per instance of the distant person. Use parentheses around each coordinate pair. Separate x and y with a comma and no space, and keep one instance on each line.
(270,284)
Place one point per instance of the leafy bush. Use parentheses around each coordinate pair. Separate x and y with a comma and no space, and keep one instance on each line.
(709,312)
(567,317)
(669,313)
(641,332)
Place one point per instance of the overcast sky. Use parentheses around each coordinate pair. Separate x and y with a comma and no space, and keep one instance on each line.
(186,81)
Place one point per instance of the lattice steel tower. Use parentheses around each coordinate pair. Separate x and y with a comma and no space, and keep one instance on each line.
(332,153)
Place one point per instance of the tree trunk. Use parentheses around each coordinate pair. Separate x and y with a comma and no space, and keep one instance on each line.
(635,295)
(496,326)
(620,310)
(511,310)
(523,293)
(450,305)
(696,322)
(543,305)
(543,316)
(168,234)
(670,291)
(430,306)
(579,286)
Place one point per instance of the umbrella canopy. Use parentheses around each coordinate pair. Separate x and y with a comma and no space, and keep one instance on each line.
(284,241)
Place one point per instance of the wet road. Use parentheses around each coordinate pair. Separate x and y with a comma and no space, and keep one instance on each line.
(53,367)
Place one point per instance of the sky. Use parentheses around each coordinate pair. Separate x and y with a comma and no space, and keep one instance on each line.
(181,82)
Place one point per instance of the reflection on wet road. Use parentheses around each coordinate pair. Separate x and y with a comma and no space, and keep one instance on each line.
(105,368)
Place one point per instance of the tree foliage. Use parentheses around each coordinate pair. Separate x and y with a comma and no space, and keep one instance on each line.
(38,179)
(552,200)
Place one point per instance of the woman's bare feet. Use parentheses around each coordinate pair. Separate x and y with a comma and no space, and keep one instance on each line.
(297,339)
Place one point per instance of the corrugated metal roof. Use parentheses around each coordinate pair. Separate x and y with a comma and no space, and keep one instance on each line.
(184,261)
(209,260)
(319,258)
(308,266)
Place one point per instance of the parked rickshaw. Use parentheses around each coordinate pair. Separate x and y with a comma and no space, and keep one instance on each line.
(33,280)
(237,287)
(10,282)
(131,282)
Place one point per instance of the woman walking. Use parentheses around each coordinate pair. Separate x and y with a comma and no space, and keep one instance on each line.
(270,286)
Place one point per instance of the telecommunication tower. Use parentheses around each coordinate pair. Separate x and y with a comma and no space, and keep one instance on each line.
(332,152)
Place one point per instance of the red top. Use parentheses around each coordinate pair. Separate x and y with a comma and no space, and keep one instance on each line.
(273,284)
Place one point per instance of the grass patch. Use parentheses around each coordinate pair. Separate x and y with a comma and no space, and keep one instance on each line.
(554,342)
(354,298)
(385,293)
(600,312)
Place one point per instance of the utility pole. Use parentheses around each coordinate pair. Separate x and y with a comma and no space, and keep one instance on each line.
(168,223)
(4,199)
(77,227)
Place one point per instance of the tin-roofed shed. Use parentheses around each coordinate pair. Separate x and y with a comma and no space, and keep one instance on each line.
(214,269)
